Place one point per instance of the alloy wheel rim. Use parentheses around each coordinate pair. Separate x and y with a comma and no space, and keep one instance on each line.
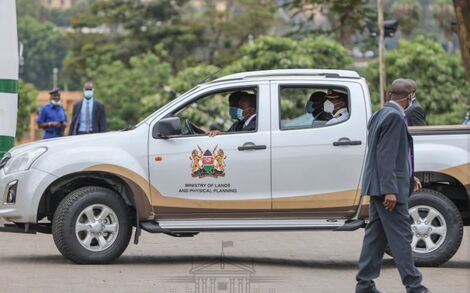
(97,227)
(429,229)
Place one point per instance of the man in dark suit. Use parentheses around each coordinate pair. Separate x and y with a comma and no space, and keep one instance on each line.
(88,115)
(415,112)
(248,105)
(388,180)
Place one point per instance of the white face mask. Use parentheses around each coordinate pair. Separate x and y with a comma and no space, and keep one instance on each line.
(56,103)
(328,106)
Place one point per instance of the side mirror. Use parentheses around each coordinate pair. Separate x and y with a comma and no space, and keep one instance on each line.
(167,127)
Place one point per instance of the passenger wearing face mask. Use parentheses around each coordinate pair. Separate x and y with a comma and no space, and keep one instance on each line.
(52,117)
(336,103)
(235,112)
(88,115)
(314,106)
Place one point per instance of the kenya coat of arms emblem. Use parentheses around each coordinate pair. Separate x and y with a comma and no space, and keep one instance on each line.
(208,163)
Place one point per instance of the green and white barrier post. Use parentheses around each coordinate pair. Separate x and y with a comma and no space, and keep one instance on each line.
(8,75)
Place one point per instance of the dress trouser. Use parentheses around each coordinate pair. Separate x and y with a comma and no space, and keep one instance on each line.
(392,228)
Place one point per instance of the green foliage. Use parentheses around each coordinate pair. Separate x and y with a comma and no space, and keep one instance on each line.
(272,52)
(27,105)
(443,90)
(44,49)
(122,87)
(190,77)
(345,18)
(122,29)
(408,13)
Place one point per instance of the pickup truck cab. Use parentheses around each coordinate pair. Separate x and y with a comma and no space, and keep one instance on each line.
(286,173)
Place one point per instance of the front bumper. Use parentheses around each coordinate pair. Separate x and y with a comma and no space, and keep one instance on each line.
(30,188)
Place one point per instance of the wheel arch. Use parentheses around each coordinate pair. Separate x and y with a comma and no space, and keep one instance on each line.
(130,192)
(450,187)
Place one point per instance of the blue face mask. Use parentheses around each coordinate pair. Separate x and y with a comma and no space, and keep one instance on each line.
(88,94)
(236,113)
(309,107)
(233,112)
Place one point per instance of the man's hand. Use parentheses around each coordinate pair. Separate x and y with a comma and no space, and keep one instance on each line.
(213,133)
(417,184)
(390,201)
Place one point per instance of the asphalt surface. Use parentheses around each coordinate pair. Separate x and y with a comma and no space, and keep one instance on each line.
(271,262)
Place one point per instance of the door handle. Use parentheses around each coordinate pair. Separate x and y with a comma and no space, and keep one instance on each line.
(251,146)
(346,141)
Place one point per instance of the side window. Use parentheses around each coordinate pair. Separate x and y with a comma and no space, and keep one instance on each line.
(226,112)
(307,107)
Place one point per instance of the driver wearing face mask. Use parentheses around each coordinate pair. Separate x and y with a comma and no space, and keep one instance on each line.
(52,117)
(337,104)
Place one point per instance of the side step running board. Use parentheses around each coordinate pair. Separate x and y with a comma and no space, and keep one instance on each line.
(351,225)
(154,227)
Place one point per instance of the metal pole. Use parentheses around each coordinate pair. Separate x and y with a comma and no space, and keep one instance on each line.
(55,73)
(380,10)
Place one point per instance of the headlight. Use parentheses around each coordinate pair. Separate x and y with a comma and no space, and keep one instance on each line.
(24,160)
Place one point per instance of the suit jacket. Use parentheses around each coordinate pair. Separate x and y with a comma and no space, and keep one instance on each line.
(250,126)
(386,170)
(99,117)
(415,114)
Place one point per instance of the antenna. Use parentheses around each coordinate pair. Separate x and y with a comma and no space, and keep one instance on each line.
(209,76)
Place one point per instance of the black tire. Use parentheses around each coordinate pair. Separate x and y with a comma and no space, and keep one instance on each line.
(65,219)
(454,225)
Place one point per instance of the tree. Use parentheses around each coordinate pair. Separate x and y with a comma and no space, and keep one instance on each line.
(272,52)
(122,87)
(44,49)
(442,88)
(462,11)
(444,13)
(223,27)
(345,17)
(122,29)
(408,13)
(27,105)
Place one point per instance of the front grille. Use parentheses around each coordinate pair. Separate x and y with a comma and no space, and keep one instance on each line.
(4,160)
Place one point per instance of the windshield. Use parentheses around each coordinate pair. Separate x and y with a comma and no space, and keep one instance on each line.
(172,102)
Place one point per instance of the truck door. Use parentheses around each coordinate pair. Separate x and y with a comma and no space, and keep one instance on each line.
(194,175)
(316,165)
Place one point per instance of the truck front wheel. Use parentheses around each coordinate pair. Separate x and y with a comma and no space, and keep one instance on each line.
(92,226)
(437,227)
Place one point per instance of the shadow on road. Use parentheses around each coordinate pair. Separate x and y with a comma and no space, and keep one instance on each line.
(189,259)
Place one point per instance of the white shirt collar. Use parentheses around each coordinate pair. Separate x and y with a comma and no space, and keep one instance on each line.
(249,119)
(400,107)
(342,111)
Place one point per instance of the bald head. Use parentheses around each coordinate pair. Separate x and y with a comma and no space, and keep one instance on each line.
(401,88)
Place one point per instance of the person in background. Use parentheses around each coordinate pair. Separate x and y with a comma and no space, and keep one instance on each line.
(415,113)
(314,106)
(466,121)
(52,117)
(337,104)
(88,115)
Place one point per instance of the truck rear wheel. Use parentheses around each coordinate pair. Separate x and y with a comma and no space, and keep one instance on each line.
(437,227)
(92,226)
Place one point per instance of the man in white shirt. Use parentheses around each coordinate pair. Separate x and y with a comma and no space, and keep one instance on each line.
(337,104)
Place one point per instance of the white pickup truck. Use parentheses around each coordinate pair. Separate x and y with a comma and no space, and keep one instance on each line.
(286,173)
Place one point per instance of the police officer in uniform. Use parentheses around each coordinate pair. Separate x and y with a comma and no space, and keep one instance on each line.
(52,117)
(337,104)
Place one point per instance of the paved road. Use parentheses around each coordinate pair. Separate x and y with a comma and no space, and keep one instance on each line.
(271,262)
